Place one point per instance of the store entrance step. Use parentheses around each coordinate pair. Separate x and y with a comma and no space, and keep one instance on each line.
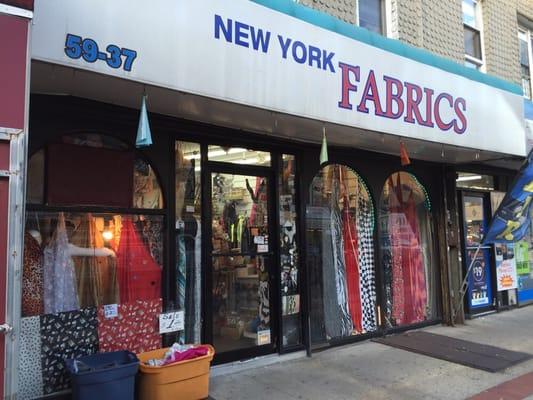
(475,355)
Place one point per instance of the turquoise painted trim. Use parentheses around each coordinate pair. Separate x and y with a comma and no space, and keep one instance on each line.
(333,24)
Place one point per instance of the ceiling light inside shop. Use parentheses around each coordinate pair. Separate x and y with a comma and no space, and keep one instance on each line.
(468,178)
(107,235)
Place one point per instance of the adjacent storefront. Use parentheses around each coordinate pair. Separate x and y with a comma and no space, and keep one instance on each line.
(228,222)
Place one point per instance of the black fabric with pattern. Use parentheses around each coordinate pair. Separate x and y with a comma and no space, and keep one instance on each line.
(65,335)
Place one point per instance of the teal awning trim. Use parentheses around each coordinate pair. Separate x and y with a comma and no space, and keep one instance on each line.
(333,24)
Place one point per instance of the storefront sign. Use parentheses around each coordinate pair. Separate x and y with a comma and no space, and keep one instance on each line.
(242,52)
(479,280)
(505,267)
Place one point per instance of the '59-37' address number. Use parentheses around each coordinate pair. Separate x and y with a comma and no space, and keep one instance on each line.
(76,47)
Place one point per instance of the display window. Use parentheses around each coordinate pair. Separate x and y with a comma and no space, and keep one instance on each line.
(340,253)
(92,277)
(407,254)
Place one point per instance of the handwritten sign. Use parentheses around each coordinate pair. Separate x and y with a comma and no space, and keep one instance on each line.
(171,322)
(111,310)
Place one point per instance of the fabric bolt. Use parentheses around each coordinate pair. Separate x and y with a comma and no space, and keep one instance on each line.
(338,263)
(65,335)
(139,276)
(60,292)
(96,276)
(30,375)
(349,237)
(366,263)
(136,328)
(32,277)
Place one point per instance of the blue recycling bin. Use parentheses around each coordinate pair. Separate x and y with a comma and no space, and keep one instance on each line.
(104,376)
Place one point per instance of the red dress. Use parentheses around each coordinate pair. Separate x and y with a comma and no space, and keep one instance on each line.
(139,276)
(349,234)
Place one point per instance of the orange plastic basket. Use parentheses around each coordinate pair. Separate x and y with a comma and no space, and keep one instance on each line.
(184,380)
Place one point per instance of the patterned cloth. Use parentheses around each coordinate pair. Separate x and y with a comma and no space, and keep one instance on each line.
(136,328)
(366,263)
(32,278)
(59,277)
(65,335)
(30,369)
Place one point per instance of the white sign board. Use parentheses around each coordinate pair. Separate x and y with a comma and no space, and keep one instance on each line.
(171,322)
(110,310)
(242,52)
(506,275)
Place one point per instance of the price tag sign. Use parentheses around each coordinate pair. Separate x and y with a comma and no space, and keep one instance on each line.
(171,322)
(111,310)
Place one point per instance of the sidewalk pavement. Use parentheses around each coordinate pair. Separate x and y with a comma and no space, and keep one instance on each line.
(373,371)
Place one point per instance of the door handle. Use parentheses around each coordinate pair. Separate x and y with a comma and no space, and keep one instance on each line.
(5,328)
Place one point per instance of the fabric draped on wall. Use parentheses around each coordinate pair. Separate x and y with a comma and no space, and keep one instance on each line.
(139,276)
(32,277)
(60,292)
(96,276)
(409,290)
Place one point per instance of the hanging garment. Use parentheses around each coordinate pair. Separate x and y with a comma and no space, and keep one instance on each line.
(65,335)
(139,276)
(135,328)
(365,253)
(181,268)
(349,237)
(259,212)
(408,274)
(96,276)
(190,231)
(58,271)
(338,263)
(32,277)
(152,233)
(415,280)
(197,300)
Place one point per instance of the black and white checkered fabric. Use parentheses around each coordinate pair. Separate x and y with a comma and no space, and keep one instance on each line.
(367,278)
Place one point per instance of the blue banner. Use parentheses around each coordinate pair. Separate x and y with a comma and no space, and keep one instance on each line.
(511,221)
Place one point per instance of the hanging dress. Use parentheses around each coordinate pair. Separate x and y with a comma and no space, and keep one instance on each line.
(139,276)
(58,271)
(96,276)
(349,236)
(32,277)
(338,262)
(396,228)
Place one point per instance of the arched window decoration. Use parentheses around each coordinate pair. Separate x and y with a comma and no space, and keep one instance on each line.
(92,170)
(406,237)
(340,222)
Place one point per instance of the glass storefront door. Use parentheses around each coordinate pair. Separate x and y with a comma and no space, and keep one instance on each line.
(479,296)
(241,264)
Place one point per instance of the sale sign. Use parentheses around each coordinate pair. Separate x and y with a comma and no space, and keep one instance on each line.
(506,275)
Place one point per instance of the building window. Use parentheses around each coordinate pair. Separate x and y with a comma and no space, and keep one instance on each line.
(340,255)
(525,39)
(406,241)
(371,15)
(472,34)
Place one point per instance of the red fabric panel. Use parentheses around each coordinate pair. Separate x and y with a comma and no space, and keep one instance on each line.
(81,175)
(13,44)
(139,276)
(4,155)
(136,328)
(4,202)
(26,4)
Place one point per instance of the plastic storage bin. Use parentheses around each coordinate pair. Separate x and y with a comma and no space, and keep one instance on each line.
(104,376)
(184,380)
